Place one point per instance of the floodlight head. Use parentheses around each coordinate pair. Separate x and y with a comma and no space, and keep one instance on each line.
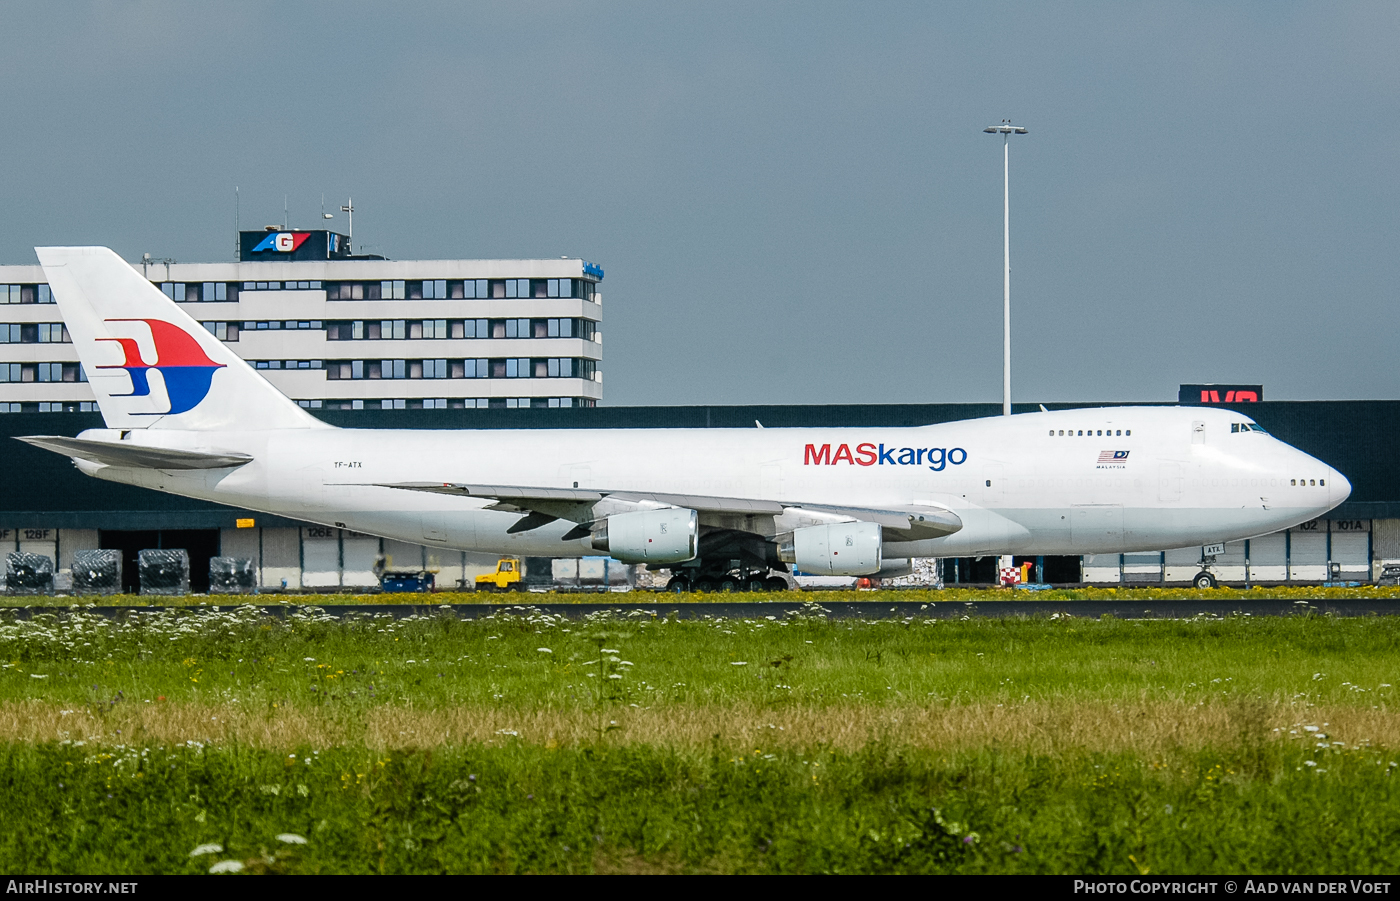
(1004,129)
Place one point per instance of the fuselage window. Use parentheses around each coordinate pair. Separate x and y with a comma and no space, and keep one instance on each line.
(1322,481)
(1312,482)
(989,483)
(1130,432)
(1293,481)
(1081,432)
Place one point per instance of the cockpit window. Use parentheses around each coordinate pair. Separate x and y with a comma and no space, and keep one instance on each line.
(1247,427)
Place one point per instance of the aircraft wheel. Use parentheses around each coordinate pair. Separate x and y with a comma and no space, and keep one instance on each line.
(729,585)
(678,585)
(775,583)
(705,585)
(1204,580)
(756,584)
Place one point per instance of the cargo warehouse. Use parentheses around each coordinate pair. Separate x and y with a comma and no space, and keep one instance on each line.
(50,509)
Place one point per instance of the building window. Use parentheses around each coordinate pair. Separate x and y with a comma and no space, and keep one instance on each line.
(511,328)
(434,289)
(475,289)
(387,404)
(392,290)
(351,291)
(434,328)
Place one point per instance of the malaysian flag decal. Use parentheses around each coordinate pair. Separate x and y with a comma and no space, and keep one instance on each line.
(1112,456)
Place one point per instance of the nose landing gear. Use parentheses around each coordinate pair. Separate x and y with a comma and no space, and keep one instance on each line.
(1205,579)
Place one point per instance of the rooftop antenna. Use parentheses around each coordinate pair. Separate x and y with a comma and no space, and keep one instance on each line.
(349,209)
(284,212)
(237,247)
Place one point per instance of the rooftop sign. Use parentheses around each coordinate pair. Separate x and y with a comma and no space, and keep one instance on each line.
(1220,394)
(292,245)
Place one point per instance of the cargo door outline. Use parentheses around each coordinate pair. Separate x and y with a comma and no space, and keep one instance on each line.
(770,481)
(1169,482)
(1096,526)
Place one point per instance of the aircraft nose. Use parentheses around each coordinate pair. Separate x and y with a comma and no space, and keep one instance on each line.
(1338,486)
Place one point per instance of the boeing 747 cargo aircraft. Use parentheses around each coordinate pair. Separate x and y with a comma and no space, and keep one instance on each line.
(186,415)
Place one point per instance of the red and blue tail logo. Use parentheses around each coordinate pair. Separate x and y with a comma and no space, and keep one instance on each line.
(186,370)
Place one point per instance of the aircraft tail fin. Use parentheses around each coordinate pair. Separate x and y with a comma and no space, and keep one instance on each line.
(150,364)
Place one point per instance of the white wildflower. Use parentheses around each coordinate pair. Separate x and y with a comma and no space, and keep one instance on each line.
(291,838)
(211,848)
(227,866)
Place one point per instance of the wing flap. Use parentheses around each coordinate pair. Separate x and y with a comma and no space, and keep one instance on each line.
(133,456)
(912,523)
(515,494)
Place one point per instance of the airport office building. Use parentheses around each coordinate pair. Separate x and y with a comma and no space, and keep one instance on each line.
(373,343)
(336,331)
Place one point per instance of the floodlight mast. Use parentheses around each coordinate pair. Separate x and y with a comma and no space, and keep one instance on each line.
(1006,130)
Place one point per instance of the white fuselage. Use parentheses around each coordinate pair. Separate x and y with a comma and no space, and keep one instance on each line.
(1063,482)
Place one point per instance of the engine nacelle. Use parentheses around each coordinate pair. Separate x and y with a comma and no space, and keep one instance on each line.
(671,535)
(839,549)
(894,567)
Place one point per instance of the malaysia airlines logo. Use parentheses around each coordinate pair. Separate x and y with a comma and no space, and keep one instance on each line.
(183,366)
(282,242)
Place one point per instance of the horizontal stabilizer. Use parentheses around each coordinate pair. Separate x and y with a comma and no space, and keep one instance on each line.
(134,456)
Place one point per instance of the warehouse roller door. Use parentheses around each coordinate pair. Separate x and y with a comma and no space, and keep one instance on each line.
(1351,549)
(1307,552)
(1268,558)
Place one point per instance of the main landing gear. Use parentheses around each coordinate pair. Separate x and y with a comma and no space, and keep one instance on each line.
(1204,580)
(727,583)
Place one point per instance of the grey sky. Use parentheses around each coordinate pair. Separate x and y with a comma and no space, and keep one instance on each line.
(794,203)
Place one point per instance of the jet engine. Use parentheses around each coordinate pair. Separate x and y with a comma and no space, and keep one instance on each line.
(839,549)
(650,536)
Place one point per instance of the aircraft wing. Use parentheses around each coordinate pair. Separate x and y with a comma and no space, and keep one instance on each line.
(544,505)
(133,456)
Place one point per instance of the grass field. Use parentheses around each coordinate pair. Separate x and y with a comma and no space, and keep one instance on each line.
(919,595)
(530,743)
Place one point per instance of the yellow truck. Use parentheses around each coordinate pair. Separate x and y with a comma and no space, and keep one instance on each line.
(507,577)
